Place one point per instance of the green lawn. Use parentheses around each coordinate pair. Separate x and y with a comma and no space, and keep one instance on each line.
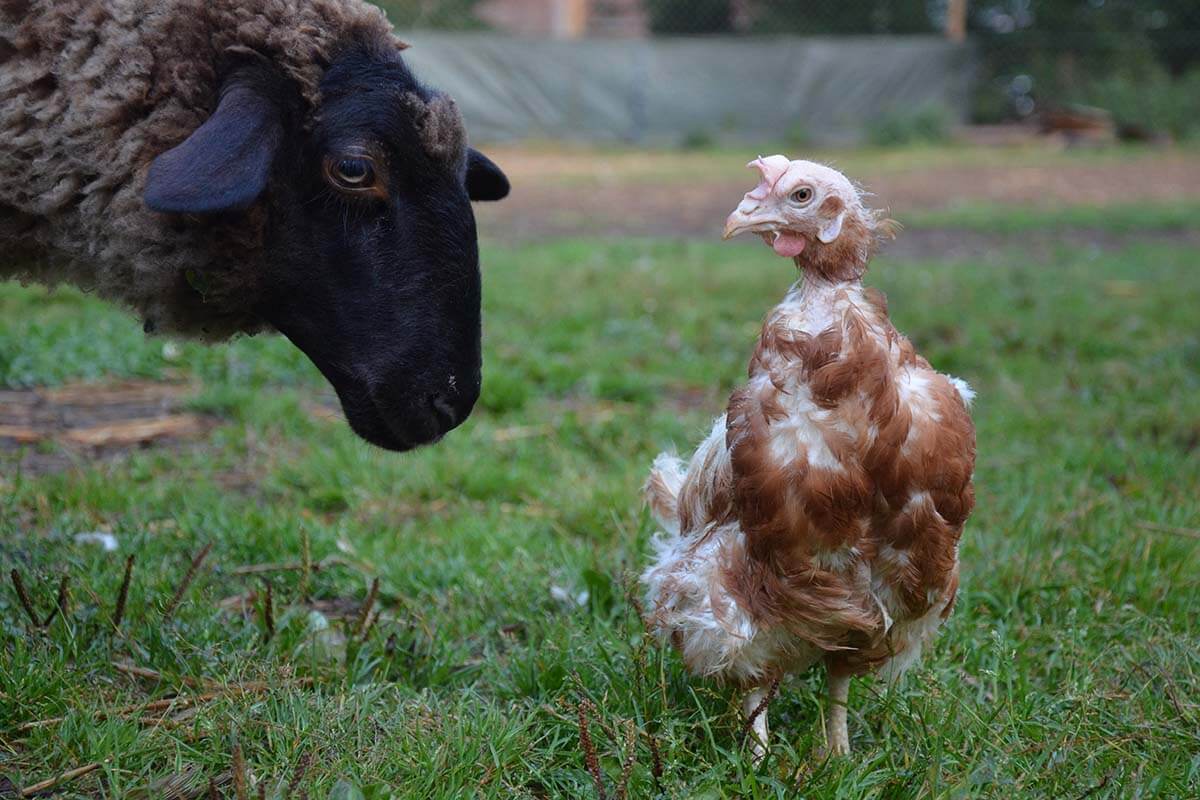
(1070,668)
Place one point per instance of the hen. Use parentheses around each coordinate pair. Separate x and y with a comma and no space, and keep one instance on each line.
(820,519)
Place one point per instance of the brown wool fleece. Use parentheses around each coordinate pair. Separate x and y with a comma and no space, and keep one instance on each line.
(91,91)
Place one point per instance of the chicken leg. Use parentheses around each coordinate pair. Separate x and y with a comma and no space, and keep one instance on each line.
(758,727)
(837,735)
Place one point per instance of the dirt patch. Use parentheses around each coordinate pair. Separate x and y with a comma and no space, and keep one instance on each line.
(1158,178)
(46,428)
(685,195)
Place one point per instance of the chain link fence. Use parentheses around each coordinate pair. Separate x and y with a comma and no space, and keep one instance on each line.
(1134,63)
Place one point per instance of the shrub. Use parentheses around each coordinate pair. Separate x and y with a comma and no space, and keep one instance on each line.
(1156,102)
(927,125)
(697,140)
(689,16)
(798,136)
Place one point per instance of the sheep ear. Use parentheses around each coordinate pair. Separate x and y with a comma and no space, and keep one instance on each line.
(485,180)
(224,164)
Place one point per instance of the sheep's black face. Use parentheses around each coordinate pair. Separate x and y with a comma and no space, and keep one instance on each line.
(373,266)
(377,251)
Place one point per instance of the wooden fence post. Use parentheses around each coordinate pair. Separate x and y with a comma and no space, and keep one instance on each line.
(956,21)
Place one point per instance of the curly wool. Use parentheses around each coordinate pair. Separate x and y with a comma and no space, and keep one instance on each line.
(91,91)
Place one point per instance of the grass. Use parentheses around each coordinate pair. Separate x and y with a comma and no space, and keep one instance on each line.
(1070,668)
(1119,218)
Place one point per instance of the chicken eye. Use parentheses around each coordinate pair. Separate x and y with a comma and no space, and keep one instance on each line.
(802,195)
(353,173)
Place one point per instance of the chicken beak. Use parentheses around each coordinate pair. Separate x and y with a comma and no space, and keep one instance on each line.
(754,214)
(742,221)
(733,226)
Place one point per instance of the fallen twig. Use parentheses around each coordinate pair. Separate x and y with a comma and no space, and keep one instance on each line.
(178,702)
(141,672)
(69,775)
(222,780)
(1190,533)
(123,711)
(21,434)
(189,783)
(155,675)
(169,723)
(136,431)
(187,581)
(23,596)
(123,594)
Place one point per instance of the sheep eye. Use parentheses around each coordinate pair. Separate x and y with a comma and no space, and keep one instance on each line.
(802,195)
(353,173)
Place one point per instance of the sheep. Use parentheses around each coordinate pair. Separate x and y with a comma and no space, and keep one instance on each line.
(222,167)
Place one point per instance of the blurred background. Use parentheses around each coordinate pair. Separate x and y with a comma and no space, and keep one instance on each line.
(810,71)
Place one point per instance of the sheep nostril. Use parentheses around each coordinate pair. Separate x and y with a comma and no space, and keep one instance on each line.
(445,410)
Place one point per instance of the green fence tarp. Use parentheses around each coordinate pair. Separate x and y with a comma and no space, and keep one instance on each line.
(661,90)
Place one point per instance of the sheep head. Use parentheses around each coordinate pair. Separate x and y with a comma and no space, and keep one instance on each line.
(366,256)
(810,213)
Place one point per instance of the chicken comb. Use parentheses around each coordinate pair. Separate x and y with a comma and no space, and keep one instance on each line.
(772,169)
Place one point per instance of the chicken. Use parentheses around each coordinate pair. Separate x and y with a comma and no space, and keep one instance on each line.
(820,519)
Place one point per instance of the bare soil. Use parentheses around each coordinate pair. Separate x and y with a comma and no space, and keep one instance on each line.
(586,193)
(958,244)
